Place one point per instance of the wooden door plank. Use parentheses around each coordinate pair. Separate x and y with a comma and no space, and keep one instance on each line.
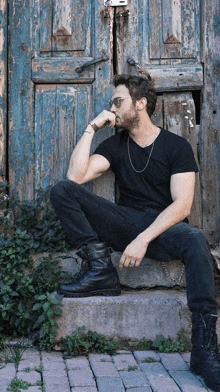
(102,87)
(179,117)
(75,15)
(3,87)
(174,32)
(45,25)
(171,18)
(128,37)
(209,134)
(65,26)
(143,33)
(61,70)
(60,117)
(190,29)
(178,77)
(21,100)
(155,28)
(157,116)
(62,20)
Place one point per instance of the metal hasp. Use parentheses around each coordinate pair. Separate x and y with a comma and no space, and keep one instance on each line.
(115,3)
(137,66)
(92,62)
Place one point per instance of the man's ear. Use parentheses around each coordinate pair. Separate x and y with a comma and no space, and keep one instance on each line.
(141,103)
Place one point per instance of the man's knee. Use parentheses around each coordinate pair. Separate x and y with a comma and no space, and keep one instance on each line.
(58,191)
(196,245)
(196,236)
(62,189)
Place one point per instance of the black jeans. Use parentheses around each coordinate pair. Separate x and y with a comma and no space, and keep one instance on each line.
(87,217)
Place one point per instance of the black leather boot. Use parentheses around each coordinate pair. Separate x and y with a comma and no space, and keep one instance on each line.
(101,277)
(205,356)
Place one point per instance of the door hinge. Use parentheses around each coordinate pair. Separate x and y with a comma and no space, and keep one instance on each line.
(115,3)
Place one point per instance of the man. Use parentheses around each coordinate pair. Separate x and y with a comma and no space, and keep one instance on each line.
(155,170)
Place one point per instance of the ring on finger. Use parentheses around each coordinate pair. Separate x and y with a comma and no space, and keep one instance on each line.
(132,263)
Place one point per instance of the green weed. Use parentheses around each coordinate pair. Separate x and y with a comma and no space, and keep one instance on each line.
(167,345)
(16,385)
(132,368)
(79,342)
(11,353)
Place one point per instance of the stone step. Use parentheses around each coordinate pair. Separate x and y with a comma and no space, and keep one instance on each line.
(139,314)
(151,273)
(134,315)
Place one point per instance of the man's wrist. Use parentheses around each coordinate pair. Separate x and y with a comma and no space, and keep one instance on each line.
(94,126)
(144,238)
(90,129)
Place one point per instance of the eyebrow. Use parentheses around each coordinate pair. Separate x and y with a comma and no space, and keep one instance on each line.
(118,97)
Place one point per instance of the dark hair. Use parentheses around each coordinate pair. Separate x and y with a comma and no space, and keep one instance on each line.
(139,86)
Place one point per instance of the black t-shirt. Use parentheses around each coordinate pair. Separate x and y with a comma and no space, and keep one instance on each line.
(171,154)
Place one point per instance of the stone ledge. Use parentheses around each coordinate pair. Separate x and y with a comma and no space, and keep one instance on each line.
(135,315)
(150,274)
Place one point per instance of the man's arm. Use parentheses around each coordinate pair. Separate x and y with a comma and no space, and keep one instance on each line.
(82,166)
(182,190)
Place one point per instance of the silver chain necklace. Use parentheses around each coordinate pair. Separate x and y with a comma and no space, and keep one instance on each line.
(129,156)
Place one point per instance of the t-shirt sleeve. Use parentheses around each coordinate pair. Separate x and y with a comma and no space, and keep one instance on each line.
(182,158)
(105,150)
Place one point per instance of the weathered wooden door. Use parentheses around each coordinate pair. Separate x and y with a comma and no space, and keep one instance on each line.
(51,100)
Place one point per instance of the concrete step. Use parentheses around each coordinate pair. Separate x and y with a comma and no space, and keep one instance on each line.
(134,315)
(141,313)
(150,274)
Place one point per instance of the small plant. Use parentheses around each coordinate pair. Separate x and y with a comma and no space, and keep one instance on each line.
(41,384)
(149,360)
(28,369)
(99,344)
(78,343)
(16,385)
(132,368)
(11,353)
(39,369)
(182,344)
(46,311)
(167,345)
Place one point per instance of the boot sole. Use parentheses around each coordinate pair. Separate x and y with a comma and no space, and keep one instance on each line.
(105,293)
(197,372)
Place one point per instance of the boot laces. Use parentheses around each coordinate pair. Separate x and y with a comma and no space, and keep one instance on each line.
(83,269)
(214,345)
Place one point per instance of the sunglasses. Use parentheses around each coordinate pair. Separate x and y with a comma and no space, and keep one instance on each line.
(117,102)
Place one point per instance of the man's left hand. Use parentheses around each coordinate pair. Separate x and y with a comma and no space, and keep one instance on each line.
(133,253)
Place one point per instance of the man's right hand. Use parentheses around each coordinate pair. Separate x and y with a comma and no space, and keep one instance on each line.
(104,118)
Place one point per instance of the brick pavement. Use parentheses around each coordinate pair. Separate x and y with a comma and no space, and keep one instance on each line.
(138,371)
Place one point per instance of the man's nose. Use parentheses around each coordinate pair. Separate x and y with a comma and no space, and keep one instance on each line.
(113,108)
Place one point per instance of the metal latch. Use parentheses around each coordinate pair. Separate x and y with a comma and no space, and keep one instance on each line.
(138,67)
(104,57)
(115,3)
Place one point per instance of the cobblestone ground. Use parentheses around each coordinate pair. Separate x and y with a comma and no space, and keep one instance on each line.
(138,371)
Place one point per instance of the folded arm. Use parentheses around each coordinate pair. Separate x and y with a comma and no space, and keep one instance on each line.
(82,166)
(182,187)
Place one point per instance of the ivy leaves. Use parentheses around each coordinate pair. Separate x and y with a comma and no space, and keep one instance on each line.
(28,300)
(47,308)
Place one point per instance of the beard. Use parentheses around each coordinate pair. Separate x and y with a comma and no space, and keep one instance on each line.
(129,120)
